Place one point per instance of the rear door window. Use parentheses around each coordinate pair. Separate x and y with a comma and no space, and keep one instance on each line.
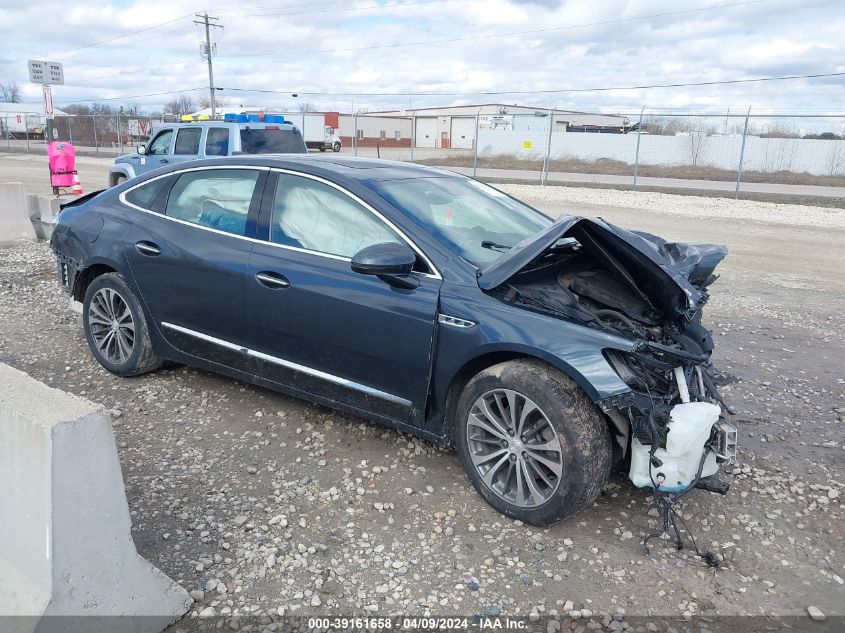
(188,141)
(215,198)
(217,141)
(271,140)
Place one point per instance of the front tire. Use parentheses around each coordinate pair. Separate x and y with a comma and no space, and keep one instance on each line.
(531,442)
(336,147)
(117,180)
(116,328)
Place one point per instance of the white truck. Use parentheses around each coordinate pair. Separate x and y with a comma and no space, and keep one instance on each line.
(314,130)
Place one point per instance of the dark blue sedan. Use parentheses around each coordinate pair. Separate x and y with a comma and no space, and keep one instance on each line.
(545,352)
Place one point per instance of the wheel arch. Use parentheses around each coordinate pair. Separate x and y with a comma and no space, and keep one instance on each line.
(494,356)
(88,274)
(118,171)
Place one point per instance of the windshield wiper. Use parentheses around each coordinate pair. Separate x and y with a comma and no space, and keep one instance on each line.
(493,245)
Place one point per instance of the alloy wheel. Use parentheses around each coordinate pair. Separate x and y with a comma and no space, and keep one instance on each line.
(514,447)
(111,325)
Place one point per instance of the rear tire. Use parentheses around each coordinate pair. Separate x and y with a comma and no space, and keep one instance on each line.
(116,328)
(525,420)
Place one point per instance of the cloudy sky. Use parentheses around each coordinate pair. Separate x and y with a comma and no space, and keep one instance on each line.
(120,49)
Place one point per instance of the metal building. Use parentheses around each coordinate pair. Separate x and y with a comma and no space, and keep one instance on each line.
(454,127)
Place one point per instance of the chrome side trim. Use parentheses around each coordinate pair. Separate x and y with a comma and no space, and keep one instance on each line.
(122,197)
(445,319)
(205,337)
(330,377)
(344,382)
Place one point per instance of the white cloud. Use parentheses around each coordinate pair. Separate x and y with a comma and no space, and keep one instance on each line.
(769,37)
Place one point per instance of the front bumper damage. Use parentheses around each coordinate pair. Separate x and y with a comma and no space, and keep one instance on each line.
(678,441)
(678,437)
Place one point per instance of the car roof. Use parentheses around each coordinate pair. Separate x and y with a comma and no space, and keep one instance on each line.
(287,125)
(351,167)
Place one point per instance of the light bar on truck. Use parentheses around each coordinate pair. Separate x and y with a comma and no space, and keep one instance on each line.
(260,117)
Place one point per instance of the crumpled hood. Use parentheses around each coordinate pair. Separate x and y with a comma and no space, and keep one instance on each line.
(670,275)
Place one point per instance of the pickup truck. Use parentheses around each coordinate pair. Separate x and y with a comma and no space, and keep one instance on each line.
(178,142)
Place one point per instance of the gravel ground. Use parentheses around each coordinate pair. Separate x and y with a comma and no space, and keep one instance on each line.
(263,505)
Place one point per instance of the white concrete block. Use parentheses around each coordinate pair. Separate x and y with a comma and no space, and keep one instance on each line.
(14,213)
(67,559)
(43,210)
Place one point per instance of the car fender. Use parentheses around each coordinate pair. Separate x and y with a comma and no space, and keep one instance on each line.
(489,331)
(122,169)
(586,366)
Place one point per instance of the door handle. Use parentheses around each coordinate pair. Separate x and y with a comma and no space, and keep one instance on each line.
(272,280)
(147,248)
(164,160)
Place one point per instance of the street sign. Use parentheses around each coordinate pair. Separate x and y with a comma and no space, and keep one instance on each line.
(49,73)
(48,100)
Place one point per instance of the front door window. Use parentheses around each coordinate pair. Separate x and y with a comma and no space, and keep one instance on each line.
(161,143)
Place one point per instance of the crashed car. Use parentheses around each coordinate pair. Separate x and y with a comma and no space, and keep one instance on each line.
(545,352)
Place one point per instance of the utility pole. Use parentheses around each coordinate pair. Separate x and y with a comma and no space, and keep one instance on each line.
(207,51)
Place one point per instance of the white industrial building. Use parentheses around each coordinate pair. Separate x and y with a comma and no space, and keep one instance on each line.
(455,126)
(17,120)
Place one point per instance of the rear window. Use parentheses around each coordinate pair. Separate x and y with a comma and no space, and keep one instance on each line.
(271,141)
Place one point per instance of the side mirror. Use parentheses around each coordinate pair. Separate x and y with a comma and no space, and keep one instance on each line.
(389,261)
(141,149)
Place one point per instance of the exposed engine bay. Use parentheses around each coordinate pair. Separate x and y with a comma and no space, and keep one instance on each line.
(652,292)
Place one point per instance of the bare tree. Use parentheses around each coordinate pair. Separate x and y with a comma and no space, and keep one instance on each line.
(306,106)
(179,106)
(132,109)
(205,102)
(10,92)
(835,162)
(77,108)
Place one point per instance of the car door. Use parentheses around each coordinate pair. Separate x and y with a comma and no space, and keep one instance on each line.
(187,144)
(217,141)
(188,250)
(158,153)
(317,326)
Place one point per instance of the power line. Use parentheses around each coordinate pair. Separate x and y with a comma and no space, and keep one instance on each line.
(481,93)
(495,35)
(534,92)
(127,97)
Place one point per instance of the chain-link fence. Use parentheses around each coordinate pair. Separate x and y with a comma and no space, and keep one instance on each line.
(652,148)
(91,134)
(638,148)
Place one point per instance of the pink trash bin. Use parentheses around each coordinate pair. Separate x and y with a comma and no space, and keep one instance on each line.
(62,159)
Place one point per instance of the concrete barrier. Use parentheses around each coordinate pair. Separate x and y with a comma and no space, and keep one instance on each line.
(67,559)
(14,213)
(43,209)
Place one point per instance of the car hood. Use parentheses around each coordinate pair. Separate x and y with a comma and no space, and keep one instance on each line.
(671,275)
(124,158)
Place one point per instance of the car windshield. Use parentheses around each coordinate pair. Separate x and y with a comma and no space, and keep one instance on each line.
(476,221)
(271,140)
